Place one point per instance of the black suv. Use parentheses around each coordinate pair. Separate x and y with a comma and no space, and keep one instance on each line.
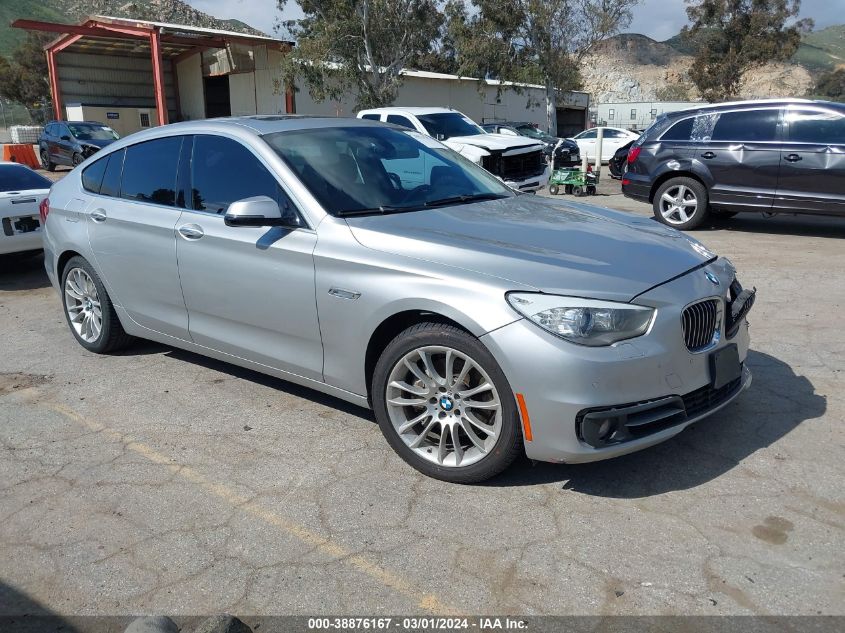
(785,156)
(565,150)
(71,142)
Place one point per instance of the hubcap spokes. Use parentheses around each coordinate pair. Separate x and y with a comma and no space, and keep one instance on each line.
(83,305)
(678,204)
(444,406)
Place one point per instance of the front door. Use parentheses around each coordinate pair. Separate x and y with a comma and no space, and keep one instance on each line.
(812,168)
(131,226)
(249,290)
(742,155)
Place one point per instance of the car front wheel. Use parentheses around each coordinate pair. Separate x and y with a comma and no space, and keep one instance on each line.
(681,203)
(89,310)
(445,406)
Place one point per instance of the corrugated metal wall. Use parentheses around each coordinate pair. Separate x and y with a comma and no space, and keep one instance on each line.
(111,81)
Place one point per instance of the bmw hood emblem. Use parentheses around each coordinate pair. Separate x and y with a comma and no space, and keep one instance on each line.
(713,278)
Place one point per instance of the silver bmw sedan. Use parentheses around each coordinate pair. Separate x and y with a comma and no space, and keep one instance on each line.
(372,263)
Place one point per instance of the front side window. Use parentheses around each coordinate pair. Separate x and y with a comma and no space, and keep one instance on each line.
(747,125)
(588,134)
(371,117)
(149,171)
(373,169)
(820,127)
(223,171)
(445,125)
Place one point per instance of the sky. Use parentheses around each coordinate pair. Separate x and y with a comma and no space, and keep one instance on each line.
(659,19)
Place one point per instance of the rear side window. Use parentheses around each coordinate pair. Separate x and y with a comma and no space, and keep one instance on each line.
(224,171)
(816,126)
(19,178)
(92,176)
(149,171)
(400,120)
(114,170)
(371,117)
(681,131)
(749,125)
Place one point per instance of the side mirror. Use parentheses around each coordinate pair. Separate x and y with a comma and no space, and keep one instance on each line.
(257,211)
(65,137)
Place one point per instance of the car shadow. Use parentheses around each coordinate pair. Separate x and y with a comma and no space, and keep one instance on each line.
(777,402)
(20,613)
(272,382)
(22,272)
(800,225)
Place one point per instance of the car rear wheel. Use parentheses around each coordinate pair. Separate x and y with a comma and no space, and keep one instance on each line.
(89,310)
(445,406)
(46,163)
(681,203)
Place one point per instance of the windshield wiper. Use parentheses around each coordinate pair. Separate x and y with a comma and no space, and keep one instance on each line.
(382,210)
(463,199)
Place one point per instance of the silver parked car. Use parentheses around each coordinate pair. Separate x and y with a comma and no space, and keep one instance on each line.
(374,264)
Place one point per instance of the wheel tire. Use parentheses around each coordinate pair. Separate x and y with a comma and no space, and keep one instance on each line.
(578,191)
(568,190)
(591,190)
(682,187)
(112,337)
(77,159)
(554,189)
(45,160)
(506,446)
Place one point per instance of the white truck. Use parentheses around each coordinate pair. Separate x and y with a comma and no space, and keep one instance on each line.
(518,161)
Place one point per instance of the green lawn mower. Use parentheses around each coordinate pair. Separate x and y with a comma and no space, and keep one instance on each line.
(573,181)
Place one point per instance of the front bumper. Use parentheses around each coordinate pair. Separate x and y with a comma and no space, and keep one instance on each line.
(530,184)
(560,381)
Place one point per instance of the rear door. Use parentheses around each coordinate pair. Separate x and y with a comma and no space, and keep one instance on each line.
(249,290)
(812,168)
(131,225)
(741,150)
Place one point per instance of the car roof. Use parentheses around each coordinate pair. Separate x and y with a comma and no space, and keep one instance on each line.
(411,110)
(752,104)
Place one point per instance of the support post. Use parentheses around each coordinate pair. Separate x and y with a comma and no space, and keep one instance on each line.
(158,77)
(290,101)
(54,85)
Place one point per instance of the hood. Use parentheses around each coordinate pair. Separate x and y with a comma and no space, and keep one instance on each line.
(495,142)
(98,143)
(542,244)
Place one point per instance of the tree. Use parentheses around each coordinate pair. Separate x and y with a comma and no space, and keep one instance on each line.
(24,78)
(542,41)
(831,85)
(360,44)
(731,37)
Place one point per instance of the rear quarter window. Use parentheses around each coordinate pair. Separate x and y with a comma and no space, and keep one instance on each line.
(680,131)
(92,176)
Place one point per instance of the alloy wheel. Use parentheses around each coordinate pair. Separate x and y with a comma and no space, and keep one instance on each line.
(444,406)
(82,303)
(678,204)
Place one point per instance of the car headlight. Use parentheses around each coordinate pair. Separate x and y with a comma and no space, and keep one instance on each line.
(583,321)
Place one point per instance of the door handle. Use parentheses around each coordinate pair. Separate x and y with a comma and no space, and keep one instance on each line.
(793,158)
(191,231)
(98,215)
(708,155)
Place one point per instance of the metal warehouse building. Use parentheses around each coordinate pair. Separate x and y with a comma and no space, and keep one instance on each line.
(134,74)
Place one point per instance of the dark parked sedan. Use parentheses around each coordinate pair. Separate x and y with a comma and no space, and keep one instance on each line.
(71,142)
(780,156)
(565,151)
(618,163)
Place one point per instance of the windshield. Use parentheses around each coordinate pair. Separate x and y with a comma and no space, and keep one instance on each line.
(92,132)
(530,130)
(444,125)
(354,170)
(19,178)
